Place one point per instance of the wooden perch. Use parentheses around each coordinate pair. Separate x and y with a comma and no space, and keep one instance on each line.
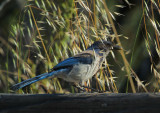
(80,103)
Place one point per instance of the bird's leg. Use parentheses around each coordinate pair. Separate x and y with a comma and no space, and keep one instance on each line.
(92,89)
(82,88)
(79,87)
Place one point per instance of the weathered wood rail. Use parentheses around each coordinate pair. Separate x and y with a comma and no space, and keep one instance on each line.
(80,103)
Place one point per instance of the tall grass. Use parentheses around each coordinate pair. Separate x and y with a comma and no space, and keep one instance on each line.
(48,32)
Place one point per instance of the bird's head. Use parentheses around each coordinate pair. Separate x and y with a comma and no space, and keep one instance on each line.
(104,45)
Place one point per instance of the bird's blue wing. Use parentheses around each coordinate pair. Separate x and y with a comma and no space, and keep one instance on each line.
(66,63)
(84,58)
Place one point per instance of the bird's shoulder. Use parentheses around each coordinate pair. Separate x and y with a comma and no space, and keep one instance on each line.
(85,57)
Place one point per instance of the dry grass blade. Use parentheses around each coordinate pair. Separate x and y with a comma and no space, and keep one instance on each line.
(40,35)
(122,52)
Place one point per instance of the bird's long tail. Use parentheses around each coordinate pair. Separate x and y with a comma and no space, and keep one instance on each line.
(32,80)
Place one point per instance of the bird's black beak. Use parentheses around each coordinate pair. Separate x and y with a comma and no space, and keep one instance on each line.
(116,47)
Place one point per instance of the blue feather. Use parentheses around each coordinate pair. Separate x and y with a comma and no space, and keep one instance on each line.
(30,81)
(84,58)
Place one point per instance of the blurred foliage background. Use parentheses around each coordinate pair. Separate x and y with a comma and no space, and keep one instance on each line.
(37,34)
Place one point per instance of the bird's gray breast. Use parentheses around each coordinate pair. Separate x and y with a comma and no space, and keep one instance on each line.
(82,72)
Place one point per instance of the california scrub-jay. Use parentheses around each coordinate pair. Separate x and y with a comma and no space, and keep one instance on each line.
(78,68)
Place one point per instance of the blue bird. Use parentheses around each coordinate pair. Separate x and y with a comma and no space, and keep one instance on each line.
(78,68)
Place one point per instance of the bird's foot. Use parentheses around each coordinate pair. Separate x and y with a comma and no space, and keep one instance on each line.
(79,87)
(87,89)
(93,90)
